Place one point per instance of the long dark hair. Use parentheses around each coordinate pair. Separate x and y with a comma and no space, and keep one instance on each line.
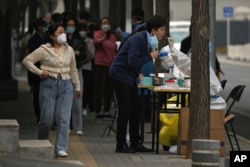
(100,22)
(51,30)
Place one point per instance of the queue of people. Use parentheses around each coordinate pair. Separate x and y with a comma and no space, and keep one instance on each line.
(80,70)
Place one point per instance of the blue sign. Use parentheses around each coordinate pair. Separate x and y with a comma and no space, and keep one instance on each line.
(228,11)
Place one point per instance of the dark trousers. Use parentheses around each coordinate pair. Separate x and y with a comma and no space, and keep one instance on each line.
(36,101)
(103,89)
(88,89)
(128,111)
(34,83)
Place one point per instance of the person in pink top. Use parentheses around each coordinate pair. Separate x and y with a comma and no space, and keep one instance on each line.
(105,51)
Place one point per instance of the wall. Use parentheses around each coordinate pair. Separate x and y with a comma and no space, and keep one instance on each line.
(178,12)
(239,33)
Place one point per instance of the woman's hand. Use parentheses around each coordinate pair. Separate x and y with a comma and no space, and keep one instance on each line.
(101,39)
(77,52)
(78,94)
(44,74)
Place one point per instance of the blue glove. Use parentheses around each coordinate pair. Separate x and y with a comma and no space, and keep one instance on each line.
(153,42)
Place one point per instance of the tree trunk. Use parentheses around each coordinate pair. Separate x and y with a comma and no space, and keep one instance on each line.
(199,119)
(117,14)
(82,5)
(94,10)
(136,4)
(162,9)
(33,6)
(74,7)
(148,9)
(8,85)
(71,6)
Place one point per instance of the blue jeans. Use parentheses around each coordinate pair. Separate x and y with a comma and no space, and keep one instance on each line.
(55,99)
(77,106)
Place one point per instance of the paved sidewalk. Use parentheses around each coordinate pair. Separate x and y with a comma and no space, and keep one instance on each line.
(103,149)
(91,149)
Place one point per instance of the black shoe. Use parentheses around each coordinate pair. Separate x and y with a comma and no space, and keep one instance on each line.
(124,148)
(108,116)
(99,116)
(165,148)
(140,148)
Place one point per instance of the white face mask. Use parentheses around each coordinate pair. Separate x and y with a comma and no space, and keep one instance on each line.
(62,38)
(106,27)
(83,34)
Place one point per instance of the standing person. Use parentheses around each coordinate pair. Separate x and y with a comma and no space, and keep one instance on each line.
(87,70)
(138,23)
(57,72)
(26,38)
(186,48)
(186,43)
(124,72)
(77,43)
(35,42)
(85,17)
(56,18)
(105,50)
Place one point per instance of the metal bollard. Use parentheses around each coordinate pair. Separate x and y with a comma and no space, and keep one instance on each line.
(205,153)
(226,162)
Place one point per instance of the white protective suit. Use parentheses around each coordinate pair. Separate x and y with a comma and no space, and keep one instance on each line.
(183,63)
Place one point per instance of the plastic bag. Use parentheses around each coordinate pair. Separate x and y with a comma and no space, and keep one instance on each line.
(169,130)
(166,58)
(173,149)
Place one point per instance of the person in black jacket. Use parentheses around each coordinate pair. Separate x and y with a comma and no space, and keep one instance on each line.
(186,43)
(137,50)
(34,42)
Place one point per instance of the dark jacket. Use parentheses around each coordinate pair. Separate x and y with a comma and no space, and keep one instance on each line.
(35,42)
(186,44)
(77,43)
(130,59)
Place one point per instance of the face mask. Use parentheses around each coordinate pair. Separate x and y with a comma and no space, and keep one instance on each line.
(133,25)
(45,29)
(106,27)
(62,38)
(153,42)
(70,30)
(83,34)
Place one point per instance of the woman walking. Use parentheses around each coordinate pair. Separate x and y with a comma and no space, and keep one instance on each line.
(57,72)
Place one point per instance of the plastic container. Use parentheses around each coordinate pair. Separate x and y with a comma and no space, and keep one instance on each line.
(147,81)
(180,80)
(171,83)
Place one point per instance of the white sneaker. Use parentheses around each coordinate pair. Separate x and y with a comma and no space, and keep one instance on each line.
(84,112)
(173,149)
(79,132)
(62,154)
(127,138)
